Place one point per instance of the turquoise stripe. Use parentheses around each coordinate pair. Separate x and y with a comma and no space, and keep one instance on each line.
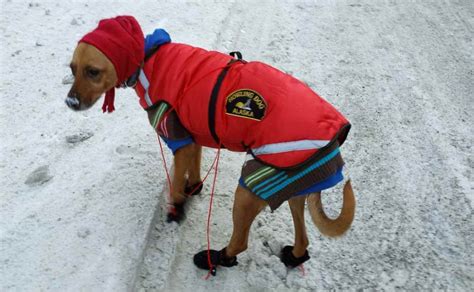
(301,174)
(272,185)
(268,181)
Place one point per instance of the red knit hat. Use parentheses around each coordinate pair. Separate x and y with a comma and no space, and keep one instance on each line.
(121,40)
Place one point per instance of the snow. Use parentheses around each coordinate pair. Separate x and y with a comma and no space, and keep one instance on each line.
(83,195)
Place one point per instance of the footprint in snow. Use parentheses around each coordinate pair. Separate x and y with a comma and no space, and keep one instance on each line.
(132,151)
(39,176)
(78,138)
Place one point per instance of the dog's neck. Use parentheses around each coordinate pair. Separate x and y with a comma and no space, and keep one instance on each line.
(132,80)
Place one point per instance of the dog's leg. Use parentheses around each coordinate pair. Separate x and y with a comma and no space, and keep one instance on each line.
(194,169)
(178,183)
(301,238)
(293,256)
(182,161)
(246,208)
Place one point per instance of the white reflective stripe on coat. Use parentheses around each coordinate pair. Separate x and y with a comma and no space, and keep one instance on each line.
(289,146)
(144,81)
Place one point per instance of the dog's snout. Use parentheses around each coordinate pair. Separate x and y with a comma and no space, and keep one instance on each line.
(72,102)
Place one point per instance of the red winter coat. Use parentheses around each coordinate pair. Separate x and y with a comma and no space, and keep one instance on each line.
(259,109)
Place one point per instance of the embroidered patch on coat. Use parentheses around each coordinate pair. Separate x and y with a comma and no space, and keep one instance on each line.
(246,103)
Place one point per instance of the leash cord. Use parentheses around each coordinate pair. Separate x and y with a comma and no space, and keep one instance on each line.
(171,207)
(212,269)
(166,170)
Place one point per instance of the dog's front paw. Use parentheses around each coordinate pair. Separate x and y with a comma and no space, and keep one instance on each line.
(175,213)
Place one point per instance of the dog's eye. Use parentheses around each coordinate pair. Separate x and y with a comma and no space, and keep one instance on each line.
(93,73)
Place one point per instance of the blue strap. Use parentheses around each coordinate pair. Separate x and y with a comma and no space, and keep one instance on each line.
(175,145)
(325,184)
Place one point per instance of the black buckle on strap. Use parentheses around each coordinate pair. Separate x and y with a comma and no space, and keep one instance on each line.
(236,54)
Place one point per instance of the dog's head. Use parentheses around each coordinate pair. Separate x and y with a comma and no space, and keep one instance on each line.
(94,74)
(105,58)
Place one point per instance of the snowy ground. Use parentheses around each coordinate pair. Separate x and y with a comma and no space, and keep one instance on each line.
(82,194)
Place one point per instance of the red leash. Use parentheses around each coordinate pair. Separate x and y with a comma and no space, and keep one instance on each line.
(167,173)
(212,269)
(171,208)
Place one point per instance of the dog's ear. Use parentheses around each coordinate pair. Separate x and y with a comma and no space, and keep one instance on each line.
(94,74)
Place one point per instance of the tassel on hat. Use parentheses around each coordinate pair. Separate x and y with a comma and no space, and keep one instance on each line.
(108,105)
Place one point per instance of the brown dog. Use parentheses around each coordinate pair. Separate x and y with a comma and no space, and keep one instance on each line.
(95,74)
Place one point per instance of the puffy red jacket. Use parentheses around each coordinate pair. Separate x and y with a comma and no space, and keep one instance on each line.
(259,109)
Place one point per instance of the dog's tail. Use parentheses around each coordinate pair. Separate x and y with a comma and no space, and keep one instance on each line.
(333,227)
